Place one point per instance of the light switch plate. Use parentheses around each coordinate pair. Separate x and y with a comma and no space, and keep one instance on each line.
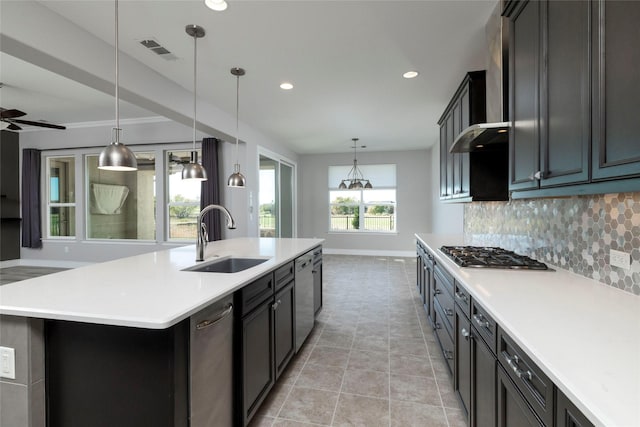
(8,363)
(620,259)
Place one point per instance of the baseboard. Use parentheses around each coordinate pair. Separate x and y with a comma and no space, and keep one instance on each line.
(367,252)
(43,263)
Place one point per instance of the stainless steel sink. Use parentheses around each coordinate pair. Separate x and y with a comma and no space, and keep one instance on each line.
(226,265)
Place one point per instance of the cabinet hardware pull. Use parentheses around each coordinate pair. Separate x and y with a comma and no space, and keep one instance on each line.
(448,312)
(462,297)
(448,354)
(466,334)
(437,326)
(210,322)
(536,176)
(512,361)
(480,320)
(436,292)
(276,304)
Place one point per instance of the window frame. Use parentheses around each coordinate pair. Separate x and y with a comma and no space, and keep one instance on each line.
(362,205)
(49,204)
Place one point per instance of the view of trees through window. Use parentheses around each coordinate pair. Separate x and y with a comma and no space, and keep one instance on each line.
(363,210)
(184,198)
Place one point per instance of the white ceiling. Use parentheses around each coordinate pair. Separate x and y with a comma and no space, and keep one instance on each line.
(345,58)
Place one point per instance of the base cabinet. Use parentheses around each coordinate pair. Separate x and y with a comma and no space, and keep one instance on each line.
(284,327)
(512,408)
(317,280)
(567,415)
(257,350)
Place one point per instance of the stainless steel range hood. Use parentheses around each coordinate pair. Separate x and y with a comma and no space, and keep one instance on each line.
(481,135)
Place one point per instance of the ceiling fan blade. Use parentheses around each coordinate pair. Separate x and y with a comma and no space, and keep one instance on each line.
(14,127)
(44,125)
(11,114)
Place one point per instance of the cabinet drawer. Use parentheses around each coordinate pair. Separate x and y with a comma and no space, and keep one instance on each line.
(534,385)
(485,325)
(443,293)
(444,336)
(462,298)
(283,275)
(255,293)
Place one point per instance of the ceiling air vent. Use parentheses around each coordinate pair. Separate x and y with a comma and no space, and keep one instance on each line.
(153,45)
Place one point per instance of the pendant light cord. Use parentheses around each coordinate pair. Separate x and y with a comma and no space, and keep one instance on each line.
(237,115)
(195,61)
(117,128)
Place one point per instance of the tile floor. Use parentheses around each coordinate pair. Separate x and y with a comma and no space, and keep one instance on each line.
(371,360)
(15,274)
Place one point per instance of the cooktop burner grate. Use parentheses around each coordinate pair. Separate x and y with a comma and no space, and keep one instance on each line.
(491,257)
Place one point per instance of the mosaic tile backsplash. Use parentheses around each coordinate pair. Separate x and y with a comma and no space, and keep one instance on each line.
(573,233)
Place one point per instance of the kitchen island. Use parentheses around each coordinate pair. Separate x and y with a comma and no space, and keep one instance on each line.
(146,304)
(584,336)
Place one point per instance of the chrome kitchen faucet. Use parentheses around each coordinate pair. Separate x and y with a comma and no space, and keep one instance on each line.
(201,242)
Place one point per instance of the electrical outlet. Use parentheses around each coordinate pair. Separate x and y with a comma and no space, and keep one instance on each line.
(8,363)
(620,259)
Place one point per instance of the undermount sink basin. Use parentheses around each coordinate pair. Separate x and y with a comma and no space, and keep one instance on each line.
(226,265)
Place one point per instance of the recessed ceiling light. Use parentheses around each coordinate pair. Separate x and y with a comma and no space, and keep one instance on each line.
(410,74)
(217,5)
(286,86)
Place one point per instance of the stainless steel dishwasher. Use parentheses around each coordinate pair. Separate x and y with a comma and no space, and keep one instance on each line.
(304,297)
(211,365)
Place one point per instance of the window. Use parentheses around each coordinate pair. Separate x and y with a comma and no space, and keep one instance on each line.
(61,202)
(183,204)
(121,205)
(372,210)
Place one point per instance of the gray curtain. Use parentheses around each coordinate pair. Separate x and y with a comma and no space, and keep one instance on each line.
(31,232)
(210,191)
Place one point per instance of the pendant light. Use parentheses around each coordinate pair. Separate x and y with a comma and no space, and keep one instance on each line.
(194,170)
(355,177)
(117,156)
(236,179)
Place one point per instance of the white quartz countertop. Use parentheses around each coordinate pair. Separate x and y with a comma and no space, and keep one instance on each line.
(583,334)
(145,291)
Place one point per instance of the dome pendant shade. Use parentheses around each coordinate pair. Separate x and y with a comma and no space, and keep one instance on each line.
(117,157)
(236,179)
(194,170)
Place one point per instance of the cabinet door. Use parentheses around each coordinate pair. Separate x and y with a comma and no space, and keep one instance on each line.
(462,371)
(483,392)
(524,137)
(317,287)
(257,358)
(449,156)
(512,408)
(567,415)
(465,122)
(284,330)
(616,57)
(566,96)
(455,157)
(443,160)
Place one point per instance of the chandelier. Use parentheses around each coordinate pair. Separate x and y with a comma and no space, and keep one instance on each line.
(355,177)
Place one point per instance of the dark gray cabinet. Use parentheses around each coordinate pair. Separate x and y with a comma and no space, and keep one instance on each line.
(616,92)
(512,408)
(550,93)
(567,415)
(424,272)
(479,175)
(462,377)
(317,280)
(9,196)
(572,96)
(284,327)
(257,374)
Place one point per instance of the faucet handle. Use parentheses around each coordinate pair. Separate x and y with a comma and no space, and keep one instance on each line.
(203,226)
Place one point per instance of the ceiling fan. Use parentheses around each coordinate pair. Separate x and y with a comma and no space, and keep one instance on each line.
(9,118)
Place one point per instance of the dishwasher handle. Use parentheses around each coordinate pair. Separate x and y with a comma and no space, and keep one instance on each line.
(210,322)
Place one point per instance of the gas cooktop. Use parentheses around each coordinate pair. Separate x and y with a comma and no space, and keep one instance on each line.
(491,257)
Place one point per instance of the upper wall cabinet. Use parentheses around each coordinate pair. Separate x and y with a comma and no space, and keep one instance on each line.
(479,175)
(573,112)
(616,89)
